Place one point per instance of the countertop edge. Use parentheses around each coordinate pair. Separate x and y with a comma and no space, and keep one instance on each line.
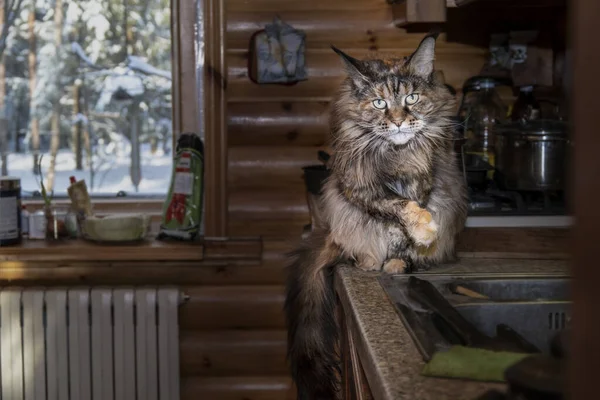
(391,361)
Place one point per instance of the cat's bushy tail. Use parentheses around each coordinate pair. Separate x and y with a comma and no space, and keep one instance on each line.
(311,320)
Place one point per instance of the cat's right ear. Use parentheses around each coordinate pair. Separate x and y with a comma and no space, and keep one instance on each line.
(354,67)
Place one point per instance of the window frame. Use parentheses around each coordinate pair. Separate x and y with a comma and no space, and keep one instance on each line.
(199,105)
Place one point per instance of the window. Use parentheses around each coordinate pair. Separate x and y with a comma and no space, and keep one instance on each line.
(85,87)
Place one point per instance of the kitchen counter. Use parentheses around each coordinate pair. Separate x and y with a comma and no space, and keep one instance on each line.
(390,360)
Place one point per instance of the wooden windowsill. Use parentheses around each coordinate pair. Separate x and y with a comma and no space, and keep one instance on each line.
(81,250)
(150,250)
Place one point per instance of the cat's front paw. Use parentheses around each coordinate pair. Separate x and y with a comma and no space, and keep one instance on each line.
(367,263)
(395,266)
(421,226)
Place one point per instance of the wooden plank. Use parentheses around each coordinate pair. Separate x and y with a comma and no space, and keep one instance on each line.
(326,72)
(270,169)
(233,307)
(241,273)
(305,5)
(278,124)
(148,250)
(80,250)
(233,353)
(356,29)
(236,388)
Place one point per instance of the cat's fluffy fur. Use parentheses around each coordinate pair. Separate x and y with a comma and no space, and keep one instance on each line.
(395,200)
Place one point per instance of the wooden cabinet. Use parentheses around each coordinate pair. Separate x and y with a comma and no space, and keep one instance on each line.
(354,381)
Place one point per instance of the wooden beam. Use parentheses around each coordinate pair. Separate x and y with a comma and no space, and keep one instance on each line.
(585,346)
(220,249)
(213,73)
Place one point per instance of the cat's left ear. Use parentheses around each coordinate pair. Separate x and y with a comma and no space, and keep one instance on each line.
(421,61)
(355,68)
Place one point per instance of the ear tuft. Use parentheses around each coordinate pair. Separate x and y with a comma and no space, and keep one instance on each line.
(355,68)
(421,61)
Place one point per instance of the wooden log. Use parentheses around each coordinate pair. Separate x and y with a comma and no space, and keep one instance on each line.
(278,124)
(305,5)
(272,169)
(326,72)
(236,388)
(233,353)
(155,273)
(372,28)
(233,307)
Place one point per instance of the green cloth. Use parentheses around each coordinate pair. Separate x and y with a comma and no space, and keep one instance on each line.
(471,363)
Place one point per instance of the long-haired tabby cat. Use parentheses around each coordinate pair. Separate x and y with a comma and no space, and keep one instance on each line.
(394,201)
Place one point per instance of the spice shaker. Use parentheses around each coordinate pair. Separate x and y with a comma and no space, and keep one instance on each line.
(10,206)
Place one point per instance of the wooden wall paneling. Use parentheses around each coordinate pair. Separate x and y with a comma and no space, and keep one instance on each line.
(326,73)
(275,130)
(326,23)
(233,307)
(236,388)
(233,353)
(282,123)
(316,6)
(214,76)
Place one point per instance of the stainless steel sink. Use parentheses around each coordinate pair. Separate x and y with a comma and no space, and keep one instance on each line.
(536,307)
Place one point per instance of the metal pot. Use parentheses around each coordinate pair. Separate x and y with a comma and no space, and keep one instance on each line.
(532,156)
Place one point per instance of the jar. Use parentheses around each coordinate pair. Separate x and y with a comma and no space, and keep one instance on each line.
(486,111)
(10,215)
(37,225)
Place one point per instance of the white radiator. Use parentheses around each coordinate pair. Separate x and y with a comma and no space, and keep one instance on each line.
(89,344)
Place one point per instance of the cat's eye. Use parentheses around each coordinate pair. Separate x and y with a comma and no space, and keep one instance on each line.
(411,99)
(379,104)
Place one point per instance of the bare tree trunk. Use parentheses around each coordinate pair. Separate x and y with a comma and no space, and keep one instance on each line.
(77,137)
(55,124)
(35,125)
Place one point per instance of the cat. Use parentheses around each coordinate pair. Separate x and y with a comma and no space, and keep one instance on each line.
(395,200)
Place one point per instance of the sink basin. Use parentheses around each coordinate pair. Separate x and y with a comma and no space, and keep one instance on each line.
(536,307)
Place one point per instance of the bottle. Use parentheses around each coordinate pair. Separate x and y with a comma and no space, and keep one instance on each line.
(80,199)
(24,221)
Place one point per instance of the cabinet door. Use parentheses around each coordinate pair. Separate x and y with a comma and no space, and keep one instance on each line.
(354,381)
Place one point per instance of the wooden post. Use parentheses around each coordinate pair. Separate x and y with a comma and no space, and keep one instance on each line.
(199,98)
(214,82)
(585,343)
